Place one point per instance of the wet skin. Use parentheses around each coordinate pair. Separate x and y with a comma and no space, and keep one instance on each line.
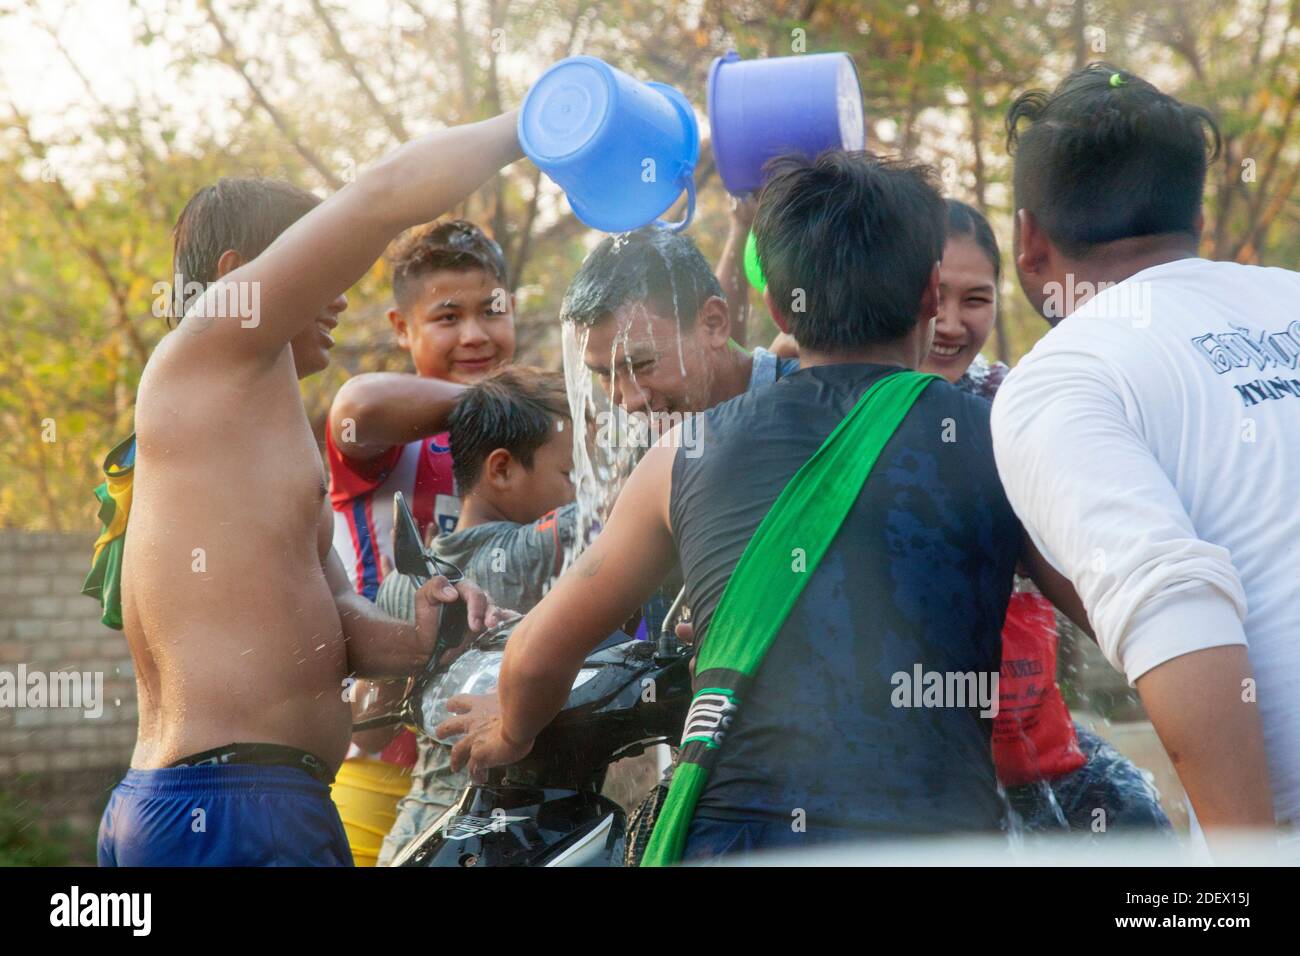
(646,363)
(238,614)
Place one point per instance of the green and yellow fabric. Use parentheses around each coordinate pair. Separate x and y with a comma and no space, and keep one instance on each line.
(811,508)
(104,583)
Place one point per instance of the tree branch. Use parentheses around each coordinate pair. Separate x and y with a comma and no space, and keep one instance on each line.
(90,251)
(390,119)
(232,59)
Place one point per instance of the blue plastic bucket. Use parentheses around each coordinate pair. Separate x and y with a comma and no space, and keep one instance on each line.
(762,108)
(621,150)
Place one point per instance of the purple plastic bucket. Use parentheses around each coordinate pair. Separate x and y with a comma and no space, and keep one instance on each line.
(621,150)
(762,108)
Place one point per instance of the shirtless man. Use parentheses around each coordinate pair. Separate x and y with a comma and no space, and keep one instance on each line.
(240,618)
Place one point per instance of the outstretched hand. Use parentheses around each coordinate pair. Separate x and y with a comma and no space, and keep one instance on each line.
(484,745)
(743,210)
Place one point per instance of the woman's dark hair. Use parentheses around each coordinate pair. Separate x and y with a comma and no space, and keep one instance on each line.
(240,214)
(848,242)
(653,266)
(1107,156)
(964,220)
(457,244)
(515,408)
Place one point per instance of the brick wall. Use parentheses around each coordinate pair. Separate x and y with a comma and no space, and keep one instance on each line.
(58,762)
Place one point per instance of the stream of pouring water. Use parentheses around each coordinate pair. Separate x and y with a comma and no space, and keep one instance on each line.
(599,468)
(608,448)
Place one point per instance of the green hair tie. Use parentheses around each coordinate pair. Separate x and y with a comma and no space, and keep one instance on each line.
(1116,79)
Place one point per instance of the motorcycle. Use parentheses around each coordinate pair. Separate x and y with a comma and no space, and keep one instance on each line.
(547,809)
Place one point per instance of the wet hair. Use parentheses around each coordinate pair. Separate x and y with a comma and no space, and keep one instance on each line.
(1107,156)
(856,238)
(515,408)
(245,215)
(661,269)
(964,220)
(457,245)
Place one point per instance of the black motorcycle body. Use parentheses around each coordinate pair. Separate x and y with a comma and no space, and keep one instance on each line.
(547,810)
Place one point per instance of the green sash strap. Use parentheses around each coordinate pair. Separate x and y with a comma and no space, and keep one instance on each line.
(768,579)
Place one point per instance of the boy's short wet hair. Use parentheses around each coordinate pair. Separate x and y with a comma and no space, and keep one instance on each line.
(661,269)
(243,214)
(848,242)
(457,245)
(516,408)
(1107,156)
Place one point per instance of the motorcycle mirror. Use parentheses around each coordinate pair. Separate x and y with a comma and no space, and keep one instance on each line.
(409,556)
(670,619)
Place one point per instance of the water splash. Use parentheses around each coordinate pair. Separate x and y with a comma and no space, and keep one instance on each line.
(614,440)
(600,465)
(677,310)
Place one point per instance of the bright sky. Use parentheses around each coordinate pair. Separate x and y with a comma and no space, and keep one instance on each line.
(100,37)
(98,34)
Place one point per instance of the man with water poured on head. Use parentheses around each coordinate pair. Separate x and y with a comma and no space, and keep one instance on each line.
(657,330)
(653,326)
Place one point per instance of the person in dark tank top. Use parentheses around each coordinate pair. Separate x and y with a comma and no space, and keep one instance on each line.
(842,735)
(920,572)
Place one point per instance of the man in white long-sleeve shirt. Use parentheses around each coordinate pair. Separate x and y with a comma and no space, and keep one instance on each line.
(1150,442)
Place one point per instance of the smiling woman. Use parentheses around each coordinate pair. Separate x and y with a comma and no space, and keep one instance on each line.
(968,300)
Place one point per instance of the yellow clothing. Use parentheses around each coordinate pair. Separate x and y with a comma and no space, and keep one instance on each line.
(366,792)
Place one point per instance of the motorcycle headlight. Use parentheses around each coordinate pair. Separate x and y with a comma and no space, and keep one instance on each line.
(475,672)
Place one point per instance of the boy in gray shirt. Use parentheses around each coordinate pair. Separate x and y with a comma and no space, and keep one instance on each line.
(512,451)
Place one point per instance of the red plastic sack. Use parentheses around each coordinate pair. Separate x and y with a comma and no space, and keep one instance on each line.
(1033,734)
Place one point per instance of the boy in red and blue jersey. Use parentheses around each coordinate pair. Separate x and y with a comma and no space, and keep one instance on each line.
(453,312)
(362,495)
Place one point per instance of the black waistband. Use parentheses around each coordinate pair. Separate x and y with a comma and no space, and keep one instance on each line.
(264,755)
